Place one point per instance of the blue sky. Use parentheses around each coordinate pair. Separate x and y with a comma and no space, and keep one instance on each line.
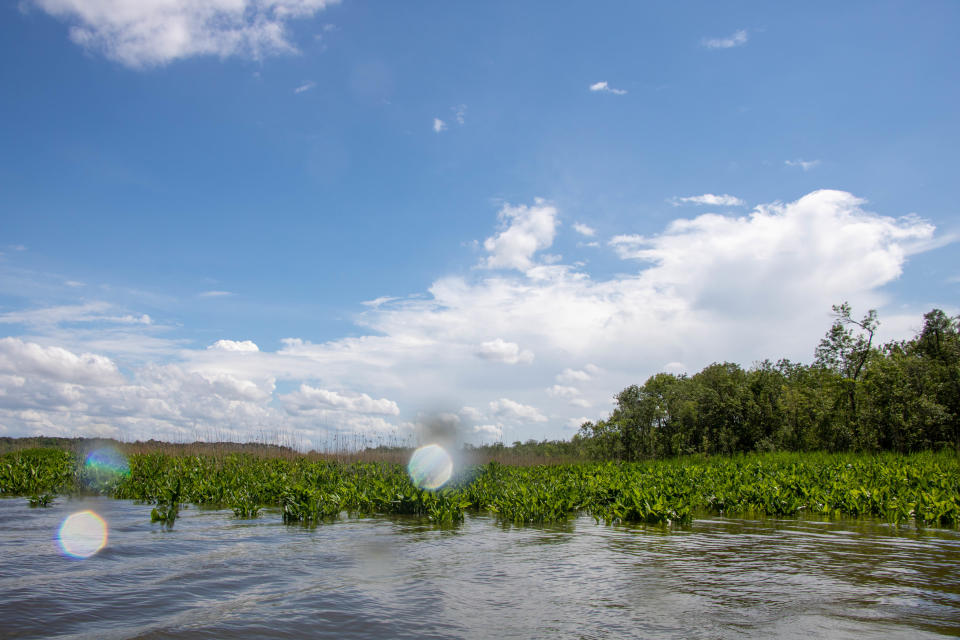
(228,218)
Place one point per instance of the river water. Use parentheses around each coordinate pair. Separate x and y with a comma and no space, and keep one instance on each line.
(214,576)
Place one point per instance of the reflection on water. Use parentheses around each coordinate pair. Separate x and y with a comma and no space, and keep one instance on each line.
(215,576)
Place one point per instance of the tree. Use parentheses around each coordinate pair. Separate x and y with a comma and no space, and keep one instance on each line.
(846,353)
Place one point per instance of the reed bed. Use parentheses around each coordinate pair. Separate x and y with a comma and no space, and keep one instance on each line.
(921,488)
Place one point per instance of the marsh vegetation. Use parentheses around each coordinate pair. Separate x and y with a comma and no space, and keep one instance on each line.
(922,488)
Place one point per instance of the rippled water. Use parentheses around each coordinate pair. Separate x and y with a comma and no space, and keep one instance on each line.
(218,577)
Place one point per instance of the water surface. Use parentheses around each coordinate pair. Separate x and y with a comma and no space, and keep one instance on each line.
(215,576)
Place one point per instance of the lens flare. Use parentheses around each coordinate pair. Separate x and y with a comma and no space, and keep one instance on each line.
(430,467)
(82,534)
(107,460)
(103,469)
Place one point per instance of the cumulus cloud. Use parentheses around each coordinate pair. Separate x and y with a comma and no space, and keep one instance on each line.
(570,376)
(512,410)
(739,38)
(823,246)
(603,87)
(806,165)
(155,32)
(55,363)
(308,398)
(502,351)
(57,392)
(489,431)
(234,345)
(561,391)
(439,125)
(584,230)
(708,288)
(526,230)
(725,200)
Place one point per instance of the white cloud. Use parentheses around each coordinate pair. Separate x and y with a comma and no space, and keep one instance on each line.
(489,430)
(573,375)
(674,367)
(460,113)
(376,302)
(710,199)
(55,363)
(439,125)
(507,352)
(214,294)
(709,288)
(512,410)
(74,283)
(307,399)
(739,38)
(247,346)
(145,33)
(471,413)
(603,87)
(526,230)
(798,255)
(306,86)
(806,165)
(584,230)
(560,391)
(91,312)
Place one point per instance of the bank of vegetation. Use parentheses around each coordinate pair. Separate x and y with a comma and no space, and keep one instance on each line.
(902,396)
(920,488)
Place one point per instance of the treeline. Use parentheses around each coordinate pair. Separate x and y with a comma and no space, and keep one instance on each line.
(856,396)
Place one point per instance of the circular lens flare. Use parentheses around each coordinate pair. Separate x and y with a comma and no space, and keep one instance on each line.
(82,534)
(430,467)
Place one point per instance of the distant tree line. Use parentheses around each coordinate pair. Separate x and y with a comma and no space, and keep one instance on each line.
(902,396)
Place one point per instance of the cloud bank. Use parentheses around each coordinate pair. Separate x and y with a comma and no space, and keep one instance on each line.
(521,347)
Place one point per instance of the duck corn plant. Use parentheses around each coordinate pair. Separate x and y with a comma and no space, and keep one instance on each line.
(37,473)
(167,503)
(923,489)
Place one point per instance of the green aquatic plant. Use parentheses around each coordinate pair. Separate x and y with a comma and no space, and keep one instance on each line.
(168,504)
(923,489)
(43,500)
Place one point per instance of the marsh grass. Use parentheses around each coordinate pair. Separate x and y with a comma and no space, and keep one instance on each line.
(923,489)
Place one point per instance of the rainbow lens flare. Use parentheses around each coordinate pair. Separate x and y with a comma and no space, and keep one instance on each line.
(430,467)
(103,468)
(107,460)
(82,534)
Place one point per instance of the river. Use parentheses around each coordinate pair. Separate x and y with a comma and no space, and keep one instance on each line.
(214,576)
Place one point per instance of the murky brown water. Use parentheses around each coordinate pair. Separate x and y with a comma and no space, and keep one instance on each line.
(217,577)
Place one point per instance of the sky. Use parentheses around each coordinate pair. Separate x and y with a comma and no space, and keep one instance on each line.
(323,221)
